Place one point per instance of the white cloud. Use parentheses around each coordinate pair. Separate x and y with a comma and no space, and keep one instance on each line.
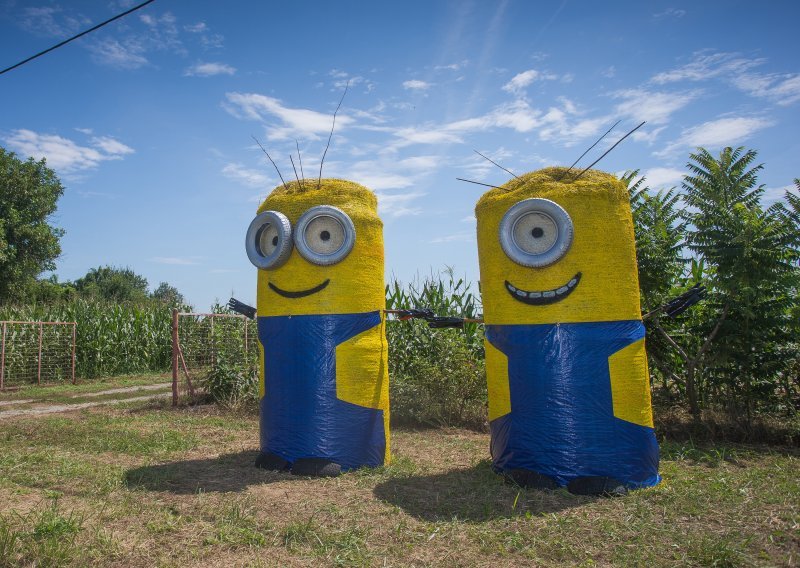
(522,80)
(661,177)
(51,21)
(774,194)
(652,106)
(416,85)
(670,13)
(397,204)
(432,135)
(244,175)
(296,122)
(197,28)
(782,89)
(209,70)
(647,136)
(461,237)
(64,154)
(717,133)
(453,66)
(706,65)
(174,260)
(114,54)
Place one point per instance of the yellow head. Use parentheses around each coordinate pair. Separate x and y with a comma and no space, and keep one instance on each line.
(555,251)
(319,251)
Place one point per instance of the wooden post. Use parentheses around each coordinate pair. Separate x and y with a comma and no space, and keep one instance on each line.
(3,357)
(174,357)
(74,341)
(39,373)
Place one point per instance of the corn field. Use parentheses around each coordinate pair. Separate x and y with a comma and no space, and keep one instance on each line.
(112,339)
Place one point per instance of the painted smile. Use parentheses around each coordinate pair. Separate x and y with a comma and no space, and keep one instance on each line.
(299,293)
(544,297)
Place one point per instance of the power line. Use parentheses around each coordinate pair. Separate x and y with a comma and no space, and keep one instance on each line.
(66,41)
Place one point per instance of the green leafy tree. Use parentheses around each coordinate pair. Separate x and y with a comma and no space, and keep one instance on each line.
(732,354)
(113,284)
(29,245)
(169,295)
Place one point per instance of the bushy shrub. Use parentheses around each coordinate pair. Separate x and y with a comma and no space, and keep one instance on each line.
(232,383)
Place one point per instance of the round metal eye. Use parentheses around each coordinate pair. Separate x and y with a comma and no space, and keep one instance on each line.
(269,240)
(536,232)
(325,235)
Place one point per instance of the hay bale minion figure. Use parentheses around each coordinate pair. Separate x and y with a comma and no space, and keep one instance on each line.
(569,392)
(318,246)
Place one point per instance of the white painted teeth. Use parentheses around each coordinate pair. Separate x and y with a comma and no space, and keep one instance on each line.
(561,291)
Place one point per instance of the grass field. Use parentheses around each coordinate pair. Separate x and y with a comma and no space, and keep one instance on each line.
(146,485)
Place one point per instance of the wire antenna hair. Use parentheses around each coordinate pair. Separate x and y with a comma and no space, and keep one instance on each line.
(496,164)
(300,183)
(270,159)
(607,151)
(587,151)
(480,183)
(300,159)
(325,153)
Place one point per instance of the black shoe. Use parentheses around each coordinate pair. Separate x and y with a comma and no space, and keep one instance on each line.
(597,486)
(316,467)
(530,479)
(272,462)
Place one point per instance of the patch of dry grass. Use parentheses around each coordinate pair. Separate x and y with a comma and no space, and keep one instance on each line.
(152,486)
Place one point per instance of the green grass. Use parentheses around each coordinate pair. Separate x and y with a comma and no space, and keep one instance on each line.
(146,485)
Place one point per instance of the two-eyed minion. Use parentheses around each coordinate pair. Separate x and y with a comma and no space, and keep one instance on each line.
(324,379)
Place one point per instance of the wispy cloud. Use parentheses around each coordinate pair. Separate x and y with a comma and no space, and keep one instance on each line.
(111,52)
(63,154)
(245,176)
(655,107)
(294,122)
(209,70)
(662,177)
(453,66)
(783,89)
(717,133)
(521,81)
(175,260)
(416,85)
(51,21)
(707,65)
(398,204)
(674,13)
(460,237)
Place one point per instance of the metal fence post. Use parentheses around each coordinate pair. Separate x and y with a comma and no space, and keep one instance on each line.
(3,357)
(74,341)
(39,371)
(174,357)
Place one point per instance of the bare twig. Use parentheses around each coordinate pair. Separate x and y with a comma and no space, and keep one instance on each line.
(496,164)
(295,171)
(302,174)
(479,183)
(587,151)
(270,159)
(347,86)
(607,151)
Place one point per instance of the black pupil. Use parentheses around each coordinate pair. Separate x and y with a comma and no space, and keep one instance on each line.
(275,241)
(325,235)
(537,232)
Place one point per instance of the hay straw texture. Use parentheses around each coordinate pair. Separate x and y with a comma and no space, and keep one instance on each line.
(356,283)
(603,250)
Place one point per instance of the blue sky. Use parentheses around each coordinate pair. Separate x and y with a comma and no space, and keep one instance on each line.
(148,121)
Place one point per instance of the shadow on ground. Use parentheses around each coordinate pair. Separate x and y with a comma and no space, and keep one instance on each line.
(475,494)
(228,472)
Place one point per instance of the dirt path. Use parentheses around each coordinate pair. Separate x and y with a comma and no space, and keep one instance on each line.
(45,408)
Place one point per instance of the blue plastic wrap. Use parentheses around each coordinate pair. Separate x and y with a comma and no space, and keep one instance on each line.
(301,416)
(562,421)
